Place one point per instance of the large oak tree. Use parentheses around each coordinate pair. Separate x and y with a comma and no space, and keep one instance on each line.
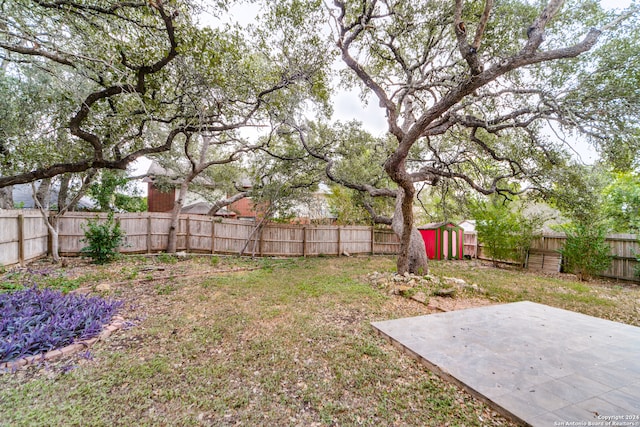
(488,93)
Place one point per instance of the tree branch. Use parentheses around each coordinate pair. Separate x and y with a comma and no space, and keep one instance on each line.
(488,5)
(37,52)
(366,188)
(226,202)
(344,43)
(470,52)
(377,219)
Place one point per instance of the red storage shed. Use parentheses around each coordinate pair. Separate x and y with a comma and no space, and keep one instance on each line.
(443,240)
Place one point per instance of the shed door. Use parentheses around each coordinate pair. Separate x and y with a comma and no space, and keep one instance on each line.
(454,246)
(445,244)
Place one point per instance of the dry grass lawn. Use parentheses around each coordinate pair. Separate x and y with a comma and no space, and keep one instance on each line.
(282,342)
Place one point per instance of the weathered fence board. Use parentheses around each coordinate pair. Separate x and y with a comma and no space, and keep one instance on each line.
(549,242)
(276,240)
(547,261)
(355,240)
(385,242)
(9,240)
(321,240)
(35,237)
(23,236)
(232,235)
(148,233)
(544,254)
(470,241)
(624,248)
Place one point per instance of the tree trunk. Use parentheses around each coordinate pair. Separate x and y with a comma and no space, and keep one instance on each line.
(413,256)
(55,241)
(42,194)
(51,222)
(63,194)
(175,217)
(6,197)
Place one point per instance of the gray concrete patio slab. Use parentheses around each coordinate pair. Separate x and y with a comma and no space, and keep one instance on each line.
(541,366)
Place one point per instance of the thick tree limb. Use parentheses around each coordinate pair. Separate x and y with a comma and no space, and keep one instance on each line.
(226,202)
(488,5)
(377,219)
(33,51)
(536,30)
(468,51)
(365,188)
(84,165)
(344,43)
(428,172)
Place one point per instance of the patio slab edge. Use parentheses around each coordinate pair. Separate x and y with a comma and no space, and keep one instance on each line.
(446,376)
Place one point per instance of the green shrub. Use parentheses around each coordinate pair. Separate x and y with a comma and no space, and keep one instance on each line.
(585,252)
(504,230)
(102,239)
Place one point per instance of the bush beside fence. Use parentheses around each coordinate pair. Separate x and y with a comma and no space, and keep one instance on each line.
(544,255)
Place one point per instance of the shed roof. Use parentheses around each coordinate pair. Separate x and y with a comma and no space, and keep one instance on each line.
(433,225)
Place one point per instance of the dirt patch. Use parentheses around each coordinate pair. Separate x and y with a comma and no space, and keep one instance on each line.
(450,304)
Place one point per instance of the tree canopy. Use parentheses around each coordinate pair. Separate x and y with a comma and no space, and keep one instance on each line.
(107,70)
(125,79)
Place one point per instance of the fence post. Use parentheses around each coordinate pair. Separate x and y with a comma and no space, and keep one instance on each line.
(339,241)
(21,239)
(260,242)
(213,236)
(477,246)
(125,243)
(187,244)
(304,241)
(149,240)
(373,240)
(53,220)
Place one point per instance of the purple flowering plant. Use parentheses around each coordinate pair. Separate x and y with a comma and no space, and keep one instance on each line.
(34,321)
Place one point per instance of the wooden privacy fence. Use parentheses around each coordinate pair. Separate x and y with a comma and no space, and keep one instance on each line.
(544,255)
(624,248)
(24,236)
(470,244)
